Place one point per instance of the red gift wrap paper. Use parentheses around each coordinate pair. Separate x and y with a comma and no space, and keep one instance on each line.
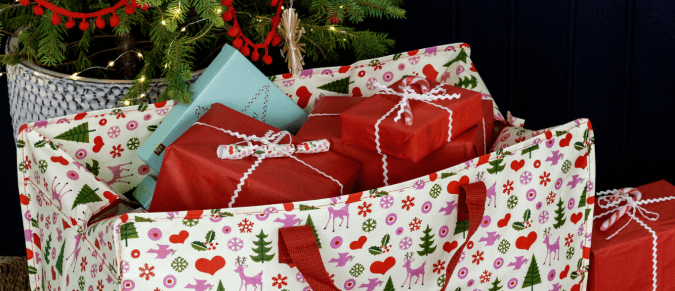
(194,178)
(463,148)
(625,261)
(428,132)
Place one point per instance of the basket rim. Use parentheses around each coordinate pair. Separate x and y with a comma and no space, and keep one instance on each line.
(14,41)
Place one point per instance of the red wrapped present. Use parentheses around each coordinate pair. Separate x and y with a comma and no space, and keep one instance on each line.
(640,256)
(324,123)
(213,166)
(385,123)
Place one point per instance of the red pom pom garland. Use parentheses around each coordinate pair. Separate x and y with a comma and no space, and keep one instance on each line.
(243,43)
(39,9)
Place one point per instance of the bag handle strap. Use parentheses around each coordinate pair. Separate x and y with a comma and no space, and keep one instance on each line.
(298,246)
(471,206)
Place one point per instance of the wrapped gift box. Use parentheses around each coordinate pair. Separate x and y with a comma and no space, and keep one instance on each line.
(625,262)
(231,80)
(428,132)
(324,122)
(196,178)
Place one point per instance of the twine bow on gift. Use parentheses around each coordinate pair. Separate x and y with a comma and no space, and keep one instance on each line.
(407,93)
(269,148)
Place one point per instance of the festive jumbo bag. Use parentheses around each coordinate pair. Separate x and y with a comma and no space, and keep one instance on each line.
(514,218)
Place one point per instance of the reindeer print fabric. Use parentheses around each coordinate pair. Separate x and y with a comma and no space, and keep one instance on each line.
(535,233)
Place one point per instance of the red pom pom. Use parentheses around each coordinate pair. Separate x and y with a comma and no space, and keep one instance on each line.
(267,59)
(114,20)
(245,51)
(255,56)
(134,3)
(145,7)
(334,19)
(276,40)
(56,19)
(25,2)
(37,9)
(129,9)
(84,25)
(100,23)
(274,3)
(234,31)
(70,23)
(237,43)
(227,15)
(226,2)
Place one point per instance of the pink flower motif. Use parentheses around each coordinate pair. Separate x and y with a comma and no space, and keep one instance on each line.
(114,131)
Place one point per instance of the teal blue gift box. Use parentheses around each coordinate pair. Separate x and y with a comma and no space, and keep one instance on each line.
(235,82)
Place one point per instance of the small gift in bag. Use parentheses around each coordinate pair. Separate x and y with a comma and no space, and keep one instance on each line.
(646,241)
(228,159)
(411,118)
(324,123)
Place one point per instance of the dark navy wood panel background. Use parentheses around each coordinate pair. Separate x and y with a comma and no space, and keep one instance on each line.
(548,62)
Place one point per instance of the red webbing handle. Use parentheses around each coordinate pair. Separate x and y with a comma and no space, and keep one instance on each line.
(472,206)
(298,246)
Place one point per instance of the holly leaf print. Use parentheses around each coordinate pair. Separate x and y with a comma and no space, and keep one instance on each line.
(20,144)
(527,215)
(199,246)
(40,144)
(374,250)
(210,236)
(518,225)
(579,145)
(53,146)
(385,240)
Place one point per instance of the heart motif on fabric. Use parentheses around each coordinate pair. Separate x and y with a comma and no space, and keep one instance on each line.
(449,246)
(160,104)
(289,206)
(53,274)
(504,221)
(453,187)
(98,144)
(576,217)
(65,224)
(581,162)
(80,116)
(564,272)
(576,287)
(179,238)
(61,160)
(24,199)
(517,165)
(548,134)
(525,242)
(356,92)
(210,266)
(565,141)
(110,196)
(357,244)
(433,177)
(379,267)
(590,200)
(36,241)
(429,72)
(98,246)
(344,69)
(304,96)
(29,254)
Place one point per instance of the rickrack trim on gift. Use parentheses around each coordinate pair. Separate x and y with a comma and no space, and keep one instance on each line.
(358,195)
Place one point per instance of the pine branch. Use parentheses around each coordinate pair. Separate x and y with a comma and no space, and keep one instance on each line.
(52,51)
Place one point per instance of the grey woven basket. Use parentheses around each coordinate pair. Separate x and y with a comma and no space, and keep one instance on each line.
(14,274)
(36,93)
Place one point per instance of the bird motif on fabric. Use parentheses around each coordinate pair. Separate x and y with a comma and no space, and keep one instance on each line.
(372,283)
(342,259)
(520,261)
(289,220)
(490,239)
(200,286)
(575,180)
(555,158)
(450,206)
(162,252)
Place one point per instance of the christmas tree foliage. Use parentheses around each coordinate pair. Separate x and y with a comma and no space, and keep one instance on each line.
(127,231)
(496,166)
(495,285)
(307,207)
(560,215)
(462,227)
(532,278)
(220,286)
(311,224)
(466,82)
(337,86)
(389,286)
(171,38)
(582,200)
(79,133)
(427,243)
(48,247)
(59,260)
(530,150)
(261,249)
(93,168)
(460,57)
(86,195)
